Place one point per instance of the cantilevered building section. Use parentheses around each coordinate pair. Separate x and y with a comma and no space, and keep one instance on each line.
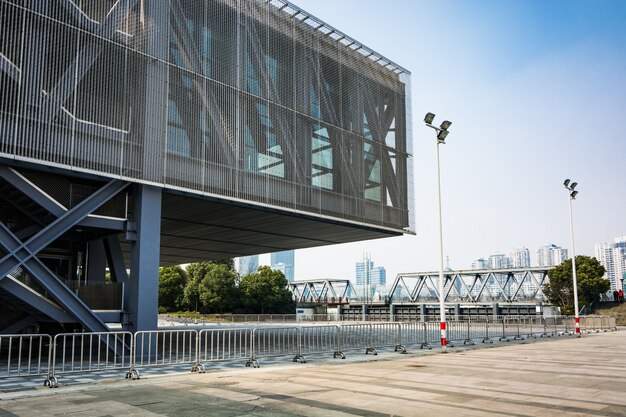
(139,133)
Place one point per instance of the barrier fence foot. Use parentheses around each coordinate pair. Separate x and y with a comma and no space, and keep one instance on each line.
(504,339)
(487,340)
(468,342)
(132,374)
(426,345)
(371,350)
(299,358)
(450,344)
(518,337)
(199,368)
(252,363)
(340,354)
(51,382)
(400,348)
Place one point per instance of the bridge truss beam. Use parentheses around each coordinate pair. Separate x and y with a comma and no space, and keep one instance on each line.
(472,286)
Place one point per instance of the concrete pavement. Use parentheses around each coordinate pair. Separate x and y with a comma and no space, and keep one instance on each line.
(562,377)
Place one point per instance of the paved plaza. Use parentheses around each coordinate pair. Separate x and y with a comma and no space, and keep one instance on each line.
(566,376)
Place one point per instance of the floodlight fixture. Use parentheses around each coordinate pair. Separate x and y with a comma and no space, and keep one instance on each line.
(428,119)
(441,136)
(573,195)
(566,183)
(445,125)
(574,184)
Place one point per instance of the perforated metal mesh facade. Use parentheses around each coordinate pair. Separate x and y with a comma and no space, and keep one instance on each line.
(247,100)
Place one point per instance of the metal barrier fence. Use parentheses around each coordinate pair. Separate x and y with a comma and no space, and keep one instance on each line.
(222,345)
(319,339)
(88,352)
(419,333)
(273,341)
(25,355)
(164,348)
(33,355)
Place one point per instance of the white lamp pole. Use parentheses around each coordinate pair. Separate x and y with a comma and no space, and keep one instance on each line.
(571,195)
(442,133)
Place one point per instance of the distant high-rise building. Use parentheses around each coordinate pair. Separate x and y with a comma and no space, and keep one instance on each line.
(480,263)
(613,257)
(370,278)
(284,262)
(499,261)
(247,264)
(551,255)
(520,258)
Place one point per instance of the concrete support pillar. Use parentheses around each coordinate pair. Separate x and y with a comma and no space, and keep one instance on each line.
(422,312)
(392,312)
(457,311)
(495,310)
(143,285)
(364,310)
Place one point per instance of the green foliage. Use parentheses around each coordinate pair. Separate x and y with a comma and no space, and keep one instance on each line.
(212,286)
(196,273)
(265,292)
(215,287)
(218,291)
(172,280)
(560,289)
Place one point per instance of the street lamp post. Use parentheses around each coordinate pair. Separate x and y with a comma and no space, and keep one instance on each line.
(571,195)
(442,133)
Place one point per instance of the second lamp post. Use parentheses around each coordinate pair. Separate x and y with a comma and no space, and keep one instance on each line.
(442,133)
(572,196)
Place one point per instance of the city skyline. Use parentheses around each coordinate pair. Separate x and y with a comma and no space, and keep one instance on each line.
(527,86)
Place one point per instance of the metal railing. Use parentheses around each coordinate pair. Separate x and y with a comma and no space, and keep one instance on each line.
(223,345)
(89,352)
(34,355)
(25,355)
(164,348)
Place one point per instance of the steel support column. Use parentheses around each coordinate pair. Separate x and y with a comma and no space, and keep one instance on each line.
(144,270)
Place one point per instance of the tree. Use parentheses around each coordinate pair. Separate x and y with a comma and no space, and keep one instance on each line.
(265,291)
(560,289)
(218,291)
(172,280)
(212,286)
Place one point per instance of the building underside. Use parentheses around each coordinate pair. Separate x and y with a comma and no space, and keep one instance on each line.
(61,233)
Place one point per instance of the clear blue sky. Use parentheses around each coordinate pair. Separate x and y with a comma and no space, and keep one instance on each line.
(536,92)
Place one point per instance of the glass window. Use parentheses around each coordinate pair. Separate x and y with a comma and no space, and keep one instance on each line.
(321,158)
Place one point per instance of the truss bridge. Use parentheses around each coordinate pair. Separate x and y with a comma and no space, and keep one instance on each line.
(472,286)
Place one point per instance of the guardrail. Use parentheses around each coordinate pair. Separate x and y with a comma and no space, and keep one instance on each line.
(25,355)
(88,352)
(223,345)
(164,348)
(37,354)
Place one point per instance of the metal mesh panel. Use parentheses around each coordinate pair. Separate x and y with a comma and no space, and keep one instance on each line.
(251,100)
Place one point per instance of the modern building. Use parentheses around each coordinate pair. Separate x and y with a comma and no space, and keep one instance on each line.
(480,263)
(613,257)
(520,258)
(139,134)
(551,255)
(499,261)
(246,265)
(370,278)
(285,262)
